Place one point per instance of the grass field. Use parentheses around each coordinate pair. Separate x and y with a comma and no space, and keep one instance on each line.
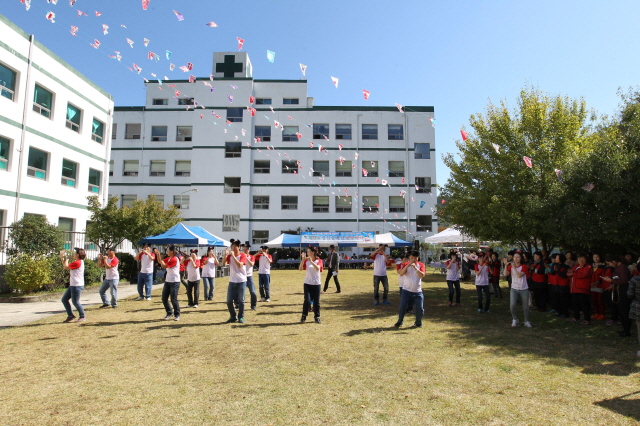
(128,367)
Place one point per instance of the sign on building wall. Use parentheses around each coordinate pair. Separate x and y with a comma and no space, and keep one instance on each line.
(231,223)
(337,237)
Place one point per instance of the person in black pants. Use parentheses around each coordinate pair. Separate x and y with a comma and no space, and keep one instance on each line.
(620,286)
(333,263)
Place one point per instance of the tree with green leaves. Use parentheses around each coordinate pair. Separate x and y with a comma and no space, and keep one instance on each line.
(111,225)
(34,236)
(492,193)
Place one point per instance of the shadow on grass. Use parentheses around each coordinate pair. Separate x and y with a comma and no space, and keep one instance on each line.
(374,330)
(621,405)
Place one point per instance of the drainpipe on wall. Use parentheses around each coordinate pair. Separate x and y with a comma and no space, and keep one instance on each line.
(358,171)
(406,153)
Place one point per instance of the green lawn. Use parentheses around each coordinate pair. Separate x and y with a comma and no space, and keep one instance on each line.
(127,367)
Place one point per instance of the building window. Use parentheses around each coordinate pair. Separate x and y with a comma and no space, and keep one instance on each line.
(131,168)
(132,131)
(234,115)
(396,168)
(261,166)
(259,237)
(289,166)
(158,168)
(396,132)
(110,167)
(127,200)
(65,225)
(289,202)
(261,202)
(159,198)
(114,131)
(231,185)
(42,101)
(74,115)
(184,133)
(320,131)
(263,101)
(370,131)
(161,102)
(4,154)
(183,168)
(321,168)
(370,169)
(97,130)
(232,149)
(37,165)
(7,82)
(320,204)
(423,185)
(344,168)
(181,202)
(159,133)
(290,101)
(396,204)
(94,181)
(290,134)
(422,151)
(69,173)
(343,204)
(186,101)
(343,131)
(423,223)
(263,132)
(370,204)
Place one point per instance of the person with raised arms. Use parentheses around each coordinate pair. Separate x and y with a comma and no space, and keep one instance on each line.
(519,288)
(333,265)
(453,278)
(482,283)
(380,275)
(313,266)
(249,271)
(209,262)
(264,261)
(171,282)
(76,284)
(145,277)
(237,281)
(413,271)
(192,267)
(110,264)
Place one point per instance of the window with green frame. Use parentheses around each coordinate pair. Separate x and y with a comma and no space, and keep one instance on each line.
(4,153)
(7,82)
(42,101)
(94,181)
(73,118)
(97,130)
(37,164)
(69,173)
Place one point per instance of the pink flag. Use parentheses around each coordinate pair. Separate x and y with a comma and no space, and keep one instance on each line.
(252,100)
(298,135)
(383,182)
(192,78)
(253,112)
(496,147)
(399,107)
(73,30)
(464,135)
(179,15)
(311,144)
(201,116)
(137,68)
(340,146)
(276,123)
(365,172)
(98,14)
(177,93)
(240,43)
(80,13)
(95,44)
(528,162)
(184,68)
(151,55)
(366,94)
(402,180)
(145,4)
(190,66)
(443,201)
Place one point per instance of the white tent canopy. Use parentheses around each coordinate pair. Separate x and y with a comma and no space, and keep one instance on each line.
(450,235)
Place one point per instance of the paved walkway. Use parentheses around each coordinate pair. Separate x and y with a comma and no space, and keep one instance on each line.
(12,314)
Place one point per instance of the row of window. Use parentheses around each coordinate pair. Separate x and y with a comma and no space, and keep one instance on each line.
(192,101)
(38,166)
(43,101)
(289,133)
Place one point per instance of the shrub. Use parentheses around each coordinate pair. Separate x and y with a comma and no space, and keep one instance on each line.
(126,266)
(27,274)
(34,236)
(92,273)
(59,276)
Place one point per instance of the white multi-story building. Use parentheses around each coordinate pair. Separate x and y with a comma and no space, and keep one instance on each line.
(54,134)
(235,154)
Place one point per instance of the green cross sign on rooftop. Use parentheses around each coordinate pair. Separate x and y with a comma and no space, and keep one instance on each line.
(229,67)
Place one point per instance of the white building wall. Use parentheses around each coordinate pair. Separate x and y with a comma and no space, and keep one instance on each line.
(22,126)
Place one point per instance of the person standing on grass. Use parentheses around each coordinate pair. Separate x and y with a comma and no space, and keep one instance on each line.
(264,261)
(581,276)
(145,277)
(633,294)
(413,270)
(453,278)
(112,277)
(482,283)
(494,274)
(333,265)
(620,286)
(76,284)
(171,282)
(249,270)
(597,292)
(312,279)
(192,268)
(538,271)
(237,281)
(209,262)
(380,275)
(519,289)
(402,280)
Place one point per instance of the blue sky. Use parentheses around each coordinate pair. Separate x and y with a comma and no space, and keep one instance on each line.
(453,55)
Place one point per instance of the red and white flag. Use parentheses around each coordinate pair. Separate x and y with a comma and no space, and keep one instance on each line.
(335,81)
(145,4)
(252,100)
(528,162)
(464,135)
(366,94)
(240,43)
(51,17)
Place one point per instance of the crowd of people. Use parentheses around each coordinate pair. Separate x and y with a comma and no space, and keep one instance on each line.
(581,287)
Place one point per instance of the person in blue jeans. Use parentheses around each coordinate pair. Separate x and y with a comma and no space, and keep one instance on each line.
(145,278)
(171,283)
(76,284)
(249,272)
(209,262)
(237,281)
(380,275)
(112,277)
(413,271)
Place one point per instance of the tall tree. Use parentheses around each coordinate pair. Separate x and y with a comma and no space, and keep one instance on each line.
(492,192)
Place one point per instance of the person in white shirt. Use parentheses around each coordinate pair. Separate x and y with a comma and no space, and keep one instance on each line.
(171,282)
(264,261)
(249,270)
(400,262)
(237,281)
(482,283)
(145,277)
(112,277)
(192,269)
(380,275)
(453,278)
(313,267)
(413,271)
(209,262)
(519,288)
(76,284)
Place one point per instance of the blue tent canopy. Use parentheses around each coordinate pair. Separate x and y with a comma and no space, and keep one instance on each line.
(185,235)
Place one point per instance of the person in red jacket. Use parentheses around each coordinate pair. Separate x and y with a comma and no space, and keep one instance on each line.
(494,271)
(582,277)
(597,294)
(539,281)
(559,271)
(620,284)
